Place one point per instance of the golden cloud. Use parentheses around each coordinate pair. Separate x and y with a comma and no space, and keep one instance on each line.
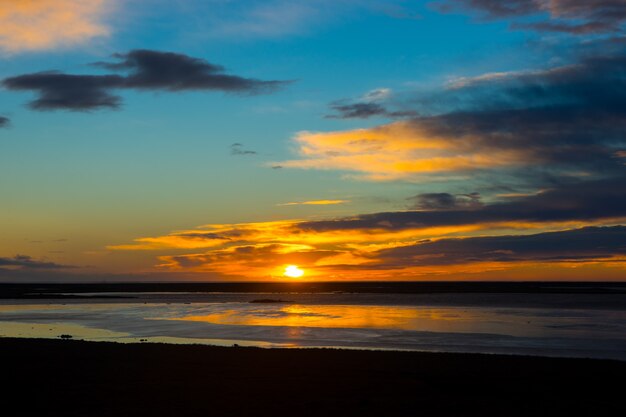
(399,150)
(315,203)
(262,250)
(29,25)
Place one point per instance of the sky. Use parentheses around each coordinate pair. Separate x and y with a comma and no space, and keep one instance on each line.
(226,140)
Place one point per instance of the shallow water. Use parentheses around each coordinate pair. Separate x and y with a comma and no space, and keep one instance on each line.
(552,325)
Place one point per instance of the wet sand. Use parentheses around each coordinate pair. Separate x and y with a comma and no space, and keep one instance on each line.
(75,378)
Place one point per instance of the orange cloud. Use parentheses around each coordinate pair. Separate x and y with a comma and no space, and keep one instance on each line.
(30,25)
(285,232)
(399,150)
(262,250)
(250,261)
(315,203)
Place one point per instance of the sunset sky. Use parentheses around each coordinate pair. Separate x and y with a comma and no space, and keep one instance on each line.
(223,140)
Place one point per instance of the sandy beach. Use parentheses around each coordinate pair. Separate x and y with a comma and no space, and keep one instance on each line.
(75,378)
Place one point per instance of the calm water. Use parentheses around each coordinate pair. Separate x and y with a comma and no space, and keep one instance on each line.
(555,325)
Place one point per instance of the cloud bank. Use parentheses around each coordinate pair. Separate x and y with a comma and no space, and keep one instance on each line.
(578,17)
(568,120)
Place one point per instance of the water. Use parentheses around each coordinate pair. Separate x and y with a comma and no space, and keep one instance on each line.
(578,325)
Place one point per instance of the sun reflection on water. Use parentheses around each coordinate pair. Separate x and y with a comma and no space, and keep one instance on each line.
(344,316)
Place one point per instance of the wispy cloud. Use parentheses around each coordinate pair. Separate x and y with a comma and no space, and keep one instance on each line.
(238,149)
(315,203)
(578,17)
(27,262)
(374,103)
(279,18)
(397,151)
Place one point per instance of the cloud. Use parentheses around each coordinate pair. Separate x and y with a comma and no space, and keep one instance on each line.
(315,203)
(27,25)
(68,92)
(145,70)
(365,111)
(589,244)
(567,119)
(154,70)
(567,16)
(4,122)
(400,150)
(238,149)
(263,250)
(371,104)
(578,201)
(190,239)
(277,18)
(26,262)
(378,94)
(446,201)
(442,229)
(258,260)
(267,18)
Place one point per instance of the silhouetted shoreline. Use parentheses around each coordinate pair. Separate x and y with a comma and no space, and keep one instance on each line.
(74,378)
(59,291)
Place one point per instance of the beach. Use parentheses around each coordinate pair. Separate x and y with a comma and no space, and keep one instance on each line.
(76,378)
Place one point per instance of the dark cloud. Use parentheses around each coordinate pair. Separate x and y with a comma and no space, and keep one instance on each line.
(571,117)
(576,201)
(564,127)
(203,236)
(27,262)
(4,122)
(365,110)
(579,245)
(445,201)
(153,70)
(56,90)
(145,70)
(567,16)
(238,149)
(529,128)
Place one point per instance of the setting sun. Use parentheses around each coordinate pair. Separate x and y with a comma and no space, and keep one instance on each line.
(292,271)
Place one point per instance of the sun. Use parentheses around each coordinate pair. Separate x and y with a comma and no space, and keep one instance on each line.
(292,271)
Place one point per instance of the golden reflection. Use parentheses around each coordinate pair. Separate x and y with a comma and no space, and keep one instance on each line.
(343,316)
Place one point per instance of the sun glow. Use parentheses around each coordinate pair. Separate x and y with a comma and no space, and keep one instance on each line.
(292,271)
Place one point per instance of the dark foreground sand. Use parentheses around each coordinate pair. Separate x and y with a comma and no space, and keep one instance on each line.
(73,378)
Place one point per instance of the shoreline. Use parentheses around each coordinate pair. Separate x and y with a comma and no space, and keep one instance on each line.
(74,290)
(78,378)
